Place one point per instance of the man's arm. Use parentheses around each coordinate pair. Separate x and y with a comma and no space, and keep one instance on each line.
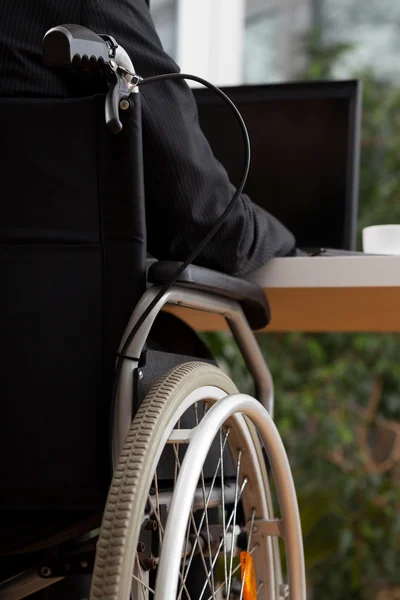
(186,188)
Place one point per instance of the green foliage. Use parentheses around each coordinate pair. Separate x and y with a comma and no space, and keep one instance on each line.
(338,411)
(380,164)
(321,56)
(338,395)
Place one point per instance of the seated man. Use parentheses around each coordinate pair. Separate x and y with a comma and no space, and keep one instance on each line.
(186,188)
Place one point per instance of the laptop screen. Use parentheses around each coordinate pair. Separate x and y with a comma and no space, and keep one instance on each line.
(304,153)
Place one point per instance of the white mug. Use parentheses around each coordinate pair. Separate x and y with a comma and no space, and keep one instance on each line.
(381,239)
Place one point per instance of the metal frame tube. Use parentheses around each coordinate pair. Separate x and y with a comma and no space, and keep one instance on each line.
(255,362)
(197,300)
(24,584)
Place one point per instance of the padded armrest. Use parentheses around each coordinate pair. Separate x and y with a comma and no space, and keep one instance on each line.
(250,296)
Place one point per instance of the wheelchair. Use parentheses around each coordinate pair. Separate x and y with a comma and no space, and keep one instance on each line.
(174,499)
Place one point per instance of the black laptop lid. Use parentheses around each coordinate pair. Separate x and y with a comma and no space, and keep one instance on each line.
(305,153)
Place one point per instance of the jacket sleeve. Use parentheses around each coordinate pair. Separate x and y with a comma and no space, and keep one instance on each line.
(187,189)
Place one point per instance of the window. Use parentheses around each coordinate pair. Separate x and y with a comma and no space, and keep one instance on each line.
(164,13)
(373,27)
(203,36)
(261,56)
(274,29)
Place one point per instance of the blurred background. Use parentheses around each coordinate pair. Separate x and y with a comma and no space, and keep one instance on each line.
(337,395)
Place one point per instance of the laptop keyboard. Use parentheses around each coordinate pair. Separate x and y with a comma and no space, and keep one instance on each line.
(335,252)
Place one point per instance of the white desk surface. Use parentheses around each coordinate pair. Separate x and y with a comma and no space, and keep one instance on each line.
(346,293)
(329,272)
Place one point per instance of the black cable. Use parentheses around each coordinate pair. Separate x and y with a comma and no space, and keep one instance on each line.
(164,289)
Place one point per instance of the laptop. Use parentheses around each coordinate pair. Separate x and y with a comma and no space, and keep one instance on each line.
(305,143)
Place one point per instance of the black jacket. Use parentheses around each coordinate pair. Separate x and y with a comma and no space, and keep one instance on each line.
(186,188)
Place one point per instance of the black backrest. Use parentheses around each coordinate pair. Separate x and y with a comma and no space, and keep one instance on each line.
(72,264)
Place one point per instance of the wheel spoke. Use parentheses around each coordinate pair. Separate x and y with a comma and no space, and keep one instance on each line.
(206,514)
(156,515)
(222,541)
(176,452)
(143,585)
(176,471)
(221,454)
(160,530)
(182,572)
(253,514)
(234,522)
(184,586)
(202,518)
(203,560)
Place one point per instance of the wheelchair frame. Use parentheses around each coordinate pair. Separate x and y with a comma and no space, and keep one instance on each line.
(192,299)
(38,577)
(250,350)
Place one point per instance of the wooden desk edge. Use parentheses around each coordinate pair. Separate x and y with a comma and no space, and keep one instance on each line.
(373,309)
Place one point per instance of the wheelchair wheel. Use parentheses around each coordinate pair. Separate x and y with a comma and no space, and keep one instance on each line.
(193,534)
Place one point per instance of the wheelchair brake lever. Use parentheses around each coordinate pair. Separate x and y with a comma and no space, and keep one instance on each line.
(121,80)
(118,90)
(82,48)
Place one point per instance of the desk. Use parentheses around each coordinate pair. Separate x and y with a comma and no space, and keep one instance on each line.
(346,293)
